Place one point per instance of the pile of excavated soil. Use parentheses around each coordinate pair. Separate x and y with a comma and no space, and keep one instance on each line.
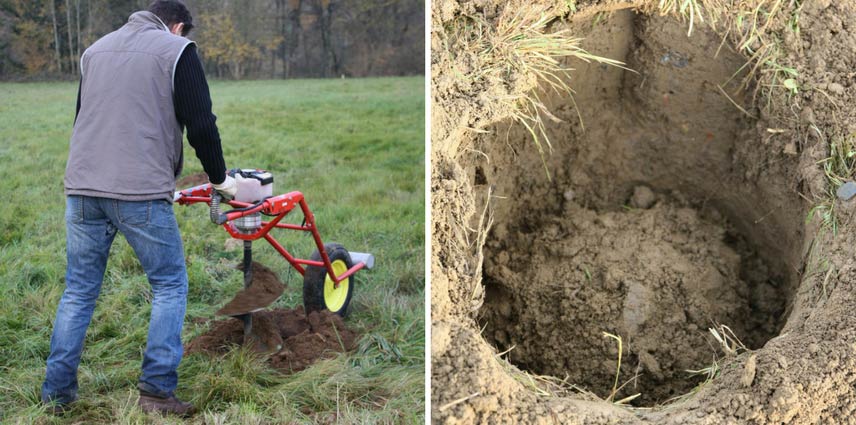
(291,340)
(658,277)
(264,290)
(191,180)
(294,340)
(728,237)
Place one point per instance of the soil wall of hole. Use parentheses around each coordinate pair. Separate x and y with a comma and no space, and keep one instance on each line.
(728,194)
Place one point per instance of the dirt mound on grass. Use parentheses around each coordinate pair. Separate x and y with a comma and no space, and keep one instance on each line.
(291,339)
(265,289)
(191,180)
(746,162)
(296,340)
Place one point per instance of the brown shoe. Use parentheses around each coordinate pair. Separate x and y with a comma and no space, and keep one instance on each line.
(57,409)
(171,405)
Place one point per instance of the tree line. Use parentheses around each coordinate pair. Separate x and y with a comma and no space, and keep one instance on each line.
(44,39)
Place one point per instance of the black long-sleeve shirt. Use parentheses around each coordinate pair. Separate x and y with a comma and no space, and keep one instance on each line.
(192,102)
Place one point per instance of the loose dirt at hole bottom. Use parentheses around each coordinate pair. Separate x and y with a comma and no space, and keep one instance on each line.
(650,275)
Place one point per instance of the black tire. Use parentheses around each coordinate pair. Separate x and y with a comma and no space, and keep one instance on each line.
(315,277)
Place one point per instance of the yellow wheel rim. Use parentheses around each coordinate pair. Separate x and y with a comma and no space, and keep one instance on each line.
(334,297)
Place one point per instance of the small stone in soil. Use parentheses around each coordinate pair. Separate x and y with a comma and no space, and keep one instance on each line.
(643,197)
(846,191)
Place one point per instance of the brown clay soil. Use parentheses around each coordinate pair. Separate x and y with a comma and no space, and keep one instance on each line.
(650,275)
(670,212)
(264,290)
(292,340)
(289,338)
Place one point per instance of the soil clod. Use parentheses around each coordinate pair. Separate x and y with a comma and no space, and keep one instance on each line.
(265,289)
(643,197)
(292,339)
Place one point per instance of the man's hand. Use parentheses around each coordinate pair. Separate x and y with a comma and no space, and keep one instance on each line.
(228,188)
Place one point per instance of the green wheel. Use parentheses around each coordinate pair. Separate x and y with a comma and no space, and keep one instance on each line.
(319,291)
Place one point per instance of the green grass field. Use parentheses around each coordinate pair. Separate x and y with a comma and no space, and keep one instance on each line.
(355,148)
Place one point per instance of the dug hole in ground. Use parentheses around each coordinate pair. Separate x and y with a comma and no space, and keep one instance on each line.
(686,260)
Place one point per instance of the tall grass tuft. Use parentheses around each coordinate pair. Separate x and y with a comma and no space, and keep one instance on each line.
(519,49)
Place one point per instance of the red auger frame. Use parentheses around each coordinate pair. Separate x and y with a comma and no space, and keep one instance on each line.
(278,207)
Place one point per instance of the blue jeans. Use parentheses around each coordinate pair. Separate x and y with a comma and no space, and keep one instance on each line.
(151,230)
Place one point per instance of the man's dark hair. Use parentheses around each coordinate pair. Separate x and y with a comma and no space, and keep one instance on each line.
(172,12)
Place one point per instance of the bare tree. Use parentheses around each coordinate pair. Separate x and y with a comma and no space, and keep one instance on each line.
(77,7)
(331,63)
(56,36)
(88,21)
(269,38)
(70,39)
